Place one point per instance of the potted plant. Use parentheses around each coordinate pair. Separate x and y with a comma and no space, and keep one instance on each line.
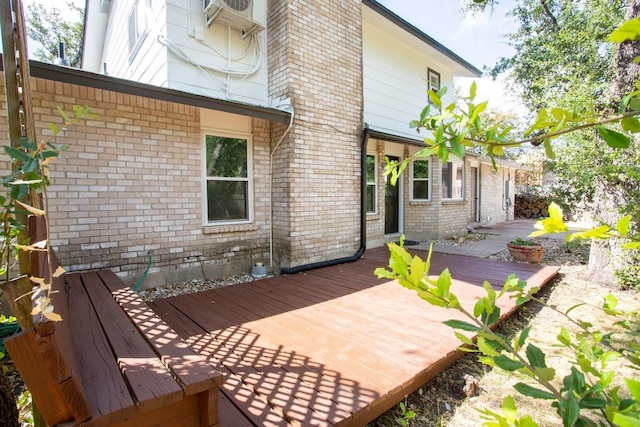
(526,250)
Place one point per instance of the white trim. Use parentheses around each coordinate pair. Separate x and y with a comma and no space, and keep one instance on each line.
(249,178)
(456,162)
(376,166)
(428,179)
(139,14)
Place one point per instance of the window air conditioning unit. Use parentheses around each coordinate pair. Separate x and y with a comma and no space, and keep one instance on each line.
(249,16)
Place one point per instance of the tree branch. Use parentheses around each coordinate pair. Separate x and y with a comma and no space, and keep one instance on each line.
(549,14)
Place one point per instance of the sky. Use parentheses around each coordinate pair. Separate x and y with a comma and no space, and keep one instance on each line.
(476,38)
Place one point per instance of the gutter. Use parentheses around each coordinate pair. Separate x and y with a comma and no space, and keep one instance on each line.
(363,218)
(100,81)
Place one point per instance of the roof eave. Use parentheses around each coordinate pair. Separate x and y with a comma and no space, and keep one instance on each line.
(99,81)
(411,29)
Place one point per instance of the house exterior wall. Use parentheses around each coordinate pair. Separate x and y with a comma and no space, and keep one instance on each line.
(395,77)
(214,48)
(149,65)
(316,60)
(492,202)
(131,182)
(180,52)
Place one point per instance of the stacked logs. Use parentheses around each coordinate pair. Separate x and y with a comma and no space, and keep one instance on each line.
(531,206)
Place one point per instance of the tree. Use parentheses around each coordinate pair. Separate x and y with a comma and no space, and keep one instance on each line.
(48,27)
(563,59)
(618,187)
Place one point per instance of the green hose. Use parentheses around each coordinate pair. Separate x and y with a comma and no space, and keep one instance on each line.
(136,288)
(7,328)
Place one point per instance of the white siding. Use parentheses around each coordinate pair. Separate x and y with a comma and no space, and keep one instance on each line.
(149,64)
(208,49)
(395,76)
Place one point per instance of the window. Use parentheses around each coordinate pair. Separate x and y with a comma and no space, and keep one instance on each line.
(227,179)
(452,180)
(433,81)
(137,27)
(420,178)
(372,187)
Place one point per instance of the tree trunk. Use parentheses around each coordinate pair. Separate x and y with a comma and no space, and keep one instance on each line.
(8,408)
(615,193)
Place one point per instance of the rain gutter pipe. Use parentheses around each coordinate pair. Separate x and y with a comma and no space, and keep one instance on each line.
(273,152)
(363,218)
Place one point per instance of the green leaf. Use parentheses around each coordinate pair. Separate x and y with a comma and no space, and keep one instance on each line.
(564,337)
(634,388)
(629,30)
(614,139)
(465,339)
(535,356)
(623,225)
(461,324)
(16,154)
(522,337)
(548,149)
(569,410)
(631,245)
(631,124)
(536,393)
(545,374)
(457,149)
(622,420)
(444,283)
(472,90)
(486,348)
(509,409)
(506,363)
(593,403)
(435,99)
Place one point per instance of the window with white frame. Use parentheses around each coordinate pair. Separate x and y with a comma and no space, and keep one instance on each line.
(138,27)
(228,189)
(372,187)
(452,180)
(421,179)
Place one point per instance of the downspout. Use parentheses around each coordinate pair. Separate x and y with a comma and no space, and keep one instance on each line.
(273,152)
(363,218)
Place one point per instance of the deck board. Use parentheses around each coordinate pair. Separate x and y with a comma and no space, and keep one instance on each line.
(333,346)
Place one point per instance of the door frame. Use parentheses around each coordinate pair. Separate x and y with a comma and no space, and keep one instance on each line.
(400,202)
(475,201)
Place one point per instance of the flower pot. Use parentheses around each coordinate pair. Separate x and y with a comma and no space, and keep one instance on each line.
(526,253)
(259,270)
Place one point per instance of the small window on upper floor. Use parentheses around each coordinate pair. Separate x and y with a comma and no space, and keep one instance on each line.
(138,26)
(433,81)
(452,180)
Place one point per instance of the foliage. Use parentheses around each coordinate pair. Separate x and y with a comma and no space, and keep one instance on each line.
(567,41)
(523,242)
(584,395)
(406,415)
(30,174)
(589,394)
(47,26)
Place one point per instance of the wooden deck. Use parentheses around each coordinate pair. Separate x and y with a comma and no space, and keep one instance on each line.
(333,346)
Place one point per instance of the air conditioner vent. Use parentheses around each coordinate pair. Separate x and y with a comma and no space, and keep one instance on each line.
(250,16)
(239,5)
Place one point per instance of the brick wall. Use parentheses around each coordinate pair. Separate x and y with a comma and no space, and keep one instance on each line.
(315,58)
(131,183)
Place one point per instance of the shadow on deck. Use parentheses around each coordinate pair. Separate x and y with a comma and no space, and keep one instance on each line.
(333,346)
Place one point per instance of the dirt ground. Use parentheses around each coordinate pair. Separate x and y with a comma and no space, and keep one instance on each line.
(443,401)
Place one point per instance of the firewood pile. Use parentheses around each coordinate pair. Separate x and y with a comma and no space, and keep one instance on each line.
(531,206)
